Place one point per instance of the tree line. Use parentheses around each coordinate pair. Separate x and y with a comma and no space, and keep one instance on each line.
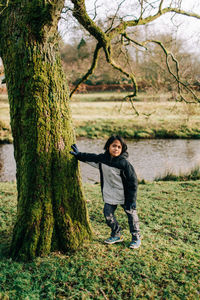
(149,65)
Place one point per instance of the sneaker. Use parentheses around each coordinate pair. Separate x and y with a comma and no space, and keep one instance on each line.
(135,244)
(113,240)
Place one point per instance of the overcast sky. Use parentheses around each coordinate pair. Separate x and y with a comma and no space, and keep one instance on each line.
(187,27)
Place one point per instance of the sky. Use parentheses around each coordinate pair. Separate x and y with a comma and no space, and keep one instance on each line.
(187,28)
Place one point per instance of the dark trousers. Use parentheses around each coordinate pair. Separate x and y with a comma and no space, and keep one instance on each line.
(111,221)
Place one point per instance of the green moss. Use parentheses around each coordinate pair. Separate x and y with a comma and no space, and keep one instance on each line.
(51,203)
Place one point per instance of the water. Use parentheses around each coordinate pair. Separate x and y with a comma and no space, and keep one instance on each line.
(7,163)
(150,158)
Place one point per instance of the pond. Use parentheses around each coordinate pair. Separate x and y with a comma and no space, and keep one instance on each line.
(150,158)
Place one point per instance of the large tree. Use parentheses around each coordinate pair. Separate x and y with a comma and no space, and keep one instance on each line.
(51,213)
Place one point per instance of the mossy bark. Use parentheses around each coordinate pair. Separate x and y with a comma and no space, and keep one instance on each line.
(51,213)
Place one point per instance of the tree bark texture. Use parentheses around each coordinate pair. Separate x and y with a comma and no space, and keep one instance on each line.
(51,212)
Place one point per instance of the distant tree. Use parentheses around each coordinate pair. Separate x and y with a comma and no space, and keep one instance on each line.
(149,66)
(76,60)
(152,65)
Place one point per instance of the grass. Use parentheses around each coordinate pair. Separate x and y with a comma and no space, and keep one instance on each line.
(118,96)
(165,267)
(99,96)
(5,131)
(157,119)
(194,174)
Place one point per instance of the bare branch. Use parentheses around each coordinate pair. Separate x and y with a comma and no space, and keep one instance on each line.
(160,5)
(123,25)
(128,75)
(141,9)
(104,39)
(91,69)
(95,10)
(176,76)
(114,17)
(134,41)
(168,55)
(65,10)
(130,99)
(80,13)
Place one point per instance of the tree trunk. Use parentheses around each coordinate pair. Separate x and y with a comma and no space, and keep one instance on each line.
(51,212)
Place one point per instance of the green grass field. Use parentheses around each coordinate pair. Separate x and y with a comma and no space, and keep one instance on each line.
(165,267)
(95,115)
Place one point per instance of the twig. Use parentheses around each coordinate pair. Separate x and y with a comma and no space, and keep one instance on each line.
(128,75)
(176,76)
(134,41)
(114,17)
(160,5)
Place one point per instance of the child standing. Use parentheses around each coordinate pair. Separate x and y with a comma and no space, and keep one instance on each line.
(118,186)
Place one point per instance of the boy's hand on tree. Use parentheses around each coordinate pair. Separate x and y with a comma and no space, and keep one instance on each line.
(75,148)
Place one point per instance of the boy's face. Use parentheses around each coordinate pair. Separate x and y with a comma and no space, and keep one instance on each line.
(115,149)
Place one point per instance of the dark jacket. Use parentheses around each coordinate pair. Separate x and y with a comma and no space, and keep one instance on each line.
(127,173)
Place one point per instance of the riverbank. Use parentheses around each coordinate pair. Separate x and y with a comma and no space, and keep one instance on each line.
(155,120)
(165,267)
(158,118)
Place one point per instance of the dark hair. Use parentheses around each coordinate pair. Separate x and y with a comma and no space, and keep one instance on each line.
(112,139)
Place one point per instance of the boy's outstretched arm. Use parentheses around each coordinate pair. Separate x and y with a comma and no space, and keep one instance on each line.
(85,157)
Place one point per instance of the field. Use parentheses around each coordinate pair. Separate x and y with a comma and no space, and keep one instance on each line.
(97,115)
(165,267)
(155,120)
(5,131)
